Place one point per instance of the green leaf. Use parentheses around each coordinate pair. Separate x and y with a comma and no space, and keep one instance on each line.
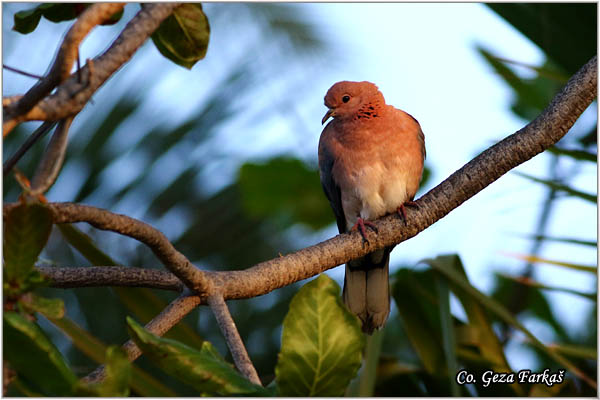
(561,187)
(413,292)
(532,283)
(501,311)
(142,383)
(59,12)
(321,344)
(34,356)
(183,36)
(26,231)
(576,351)
(565,32)
(579,155)
(296,197)
(203,369)
(590,243)
(535,259)
(448,340)
(116,382)
(51,308)
(26,21)
(480,328)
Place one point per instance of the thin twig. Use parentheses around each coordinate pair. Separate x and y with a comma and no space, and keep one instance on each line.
(71,96)
(232,337)
(51,163)
(63,63)
(76,277)
(159,325)
(20,72)
(34,137)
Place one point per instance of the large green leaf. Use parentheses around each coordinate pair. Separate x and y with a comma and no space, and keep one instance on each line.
(183,36)
(284,189)
(29,351)
(566,32)
(204,370)
(321,344)
(26,231)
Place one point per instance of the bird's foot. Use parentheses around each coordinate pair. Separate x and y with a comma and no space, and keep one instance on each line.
(360,226)
(402,211)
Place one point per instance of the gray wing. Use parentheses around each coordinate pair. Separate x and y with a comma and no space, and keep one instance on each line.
(330,187)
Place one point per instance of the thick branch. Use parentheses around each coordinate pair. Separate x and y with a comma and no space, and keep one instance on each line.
(232,337)
(548,128)
(111,276)
(71,96)
(68,52)
(171,315)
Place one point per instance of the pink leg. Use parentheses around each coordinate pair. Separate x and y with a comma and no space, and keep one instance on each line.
(402,211)
(360,225)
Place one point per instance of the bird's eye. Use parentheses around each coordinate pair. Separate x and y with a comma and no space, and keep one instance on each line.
(346,98)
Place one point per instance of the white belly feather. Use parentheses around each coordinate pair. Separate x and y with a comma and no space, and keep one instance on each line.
(374,191)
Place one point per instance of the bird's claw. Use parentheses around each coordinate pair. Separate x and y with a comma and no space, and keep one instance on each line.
(402,211)
(360,226)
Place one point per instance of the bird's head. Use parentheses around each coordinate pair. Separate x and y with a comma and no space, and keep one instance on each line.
(350,100)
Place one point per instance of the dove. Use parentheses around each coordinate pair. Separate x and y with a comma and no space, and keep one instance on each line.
(371,159)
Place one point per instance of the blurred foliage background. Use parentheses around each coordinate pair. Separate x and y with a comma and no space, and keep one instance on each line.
(225,206)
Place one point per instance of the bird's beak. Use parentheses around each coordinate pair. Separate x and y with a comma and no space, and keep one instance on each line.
(328,114)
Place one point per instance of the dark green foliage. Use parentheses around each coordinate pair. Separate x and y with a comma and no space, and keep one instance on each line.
(566,32)
(183,36)
(26,21)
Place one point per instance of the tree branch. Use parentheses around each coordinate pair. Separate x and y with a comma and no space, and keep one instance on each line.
(159,325)
(51,163)
(34,137)
(232,337)
(76,277)
(547,129)
(173,260)
(72,95)
(67,53)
